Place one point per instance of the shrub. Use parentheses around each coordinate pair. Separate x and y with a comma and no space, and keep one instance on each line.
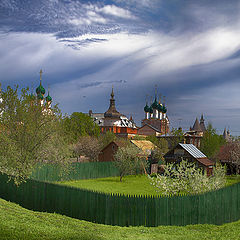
(186,178)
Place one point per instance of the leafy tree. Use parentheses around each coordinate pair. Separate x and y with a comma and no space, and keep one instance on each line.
(29,134)
(230,152)
(185,177)
(78,125)
(129,159)
(161,147)
(211,142)
(106,138)
(177,137)
(87,146)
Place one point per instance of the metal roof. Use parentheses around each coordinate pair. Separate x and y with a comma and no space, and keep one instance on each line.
(191,149)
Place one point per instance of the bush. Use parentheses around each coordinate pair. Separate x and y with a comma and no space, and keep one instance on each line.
(186,178)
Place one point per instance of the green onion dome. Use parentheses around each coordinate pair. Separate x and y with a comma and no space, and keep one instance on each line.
(150,109)
(40,96)
(164,109)
(146,108)
(40,89)
(160,107)
(48,98)
(155,104)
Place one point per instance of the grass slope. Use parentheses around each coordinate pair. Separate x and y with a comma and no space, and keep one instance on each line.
(17,223)
(131,185)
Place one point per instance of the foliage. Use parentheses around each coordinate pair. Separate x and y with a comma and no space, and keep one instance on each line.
(129,160)
(235,155)
(106,138)
(185,177)
(176,137)
(211,142)
(230,152)
(19,223)
(87,146)
(160,150)
(30,133)
(78,125)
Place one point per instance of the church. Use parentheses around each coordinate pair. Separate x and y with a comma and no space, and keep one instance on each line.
(114,121)
(40,91)
(156,121)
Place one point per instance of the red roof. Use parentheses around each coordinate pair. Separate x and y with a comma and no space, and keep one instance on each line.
(205,161)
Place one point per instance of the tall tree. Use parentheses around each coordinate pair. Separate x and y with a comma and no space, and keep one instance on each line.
(129,160)
(78,125)
(87,146)
(211,142)
(29,134)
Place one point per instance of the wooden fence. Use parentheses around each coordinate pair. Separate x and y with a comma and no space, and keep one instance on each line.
(215,207)
(54,172)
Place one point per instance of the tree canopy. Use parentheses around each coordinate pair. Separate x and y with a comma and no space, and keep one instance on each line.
(79,124)
(211,142)
(29,134)
(129,160)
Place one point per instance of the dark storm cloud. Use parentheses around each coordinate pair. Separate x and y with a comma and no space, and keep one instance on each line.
(190,49)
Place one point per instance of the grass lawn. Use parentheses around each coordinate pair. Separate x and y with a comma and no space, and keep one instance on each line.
(233,179)
(17,223)
(132,185)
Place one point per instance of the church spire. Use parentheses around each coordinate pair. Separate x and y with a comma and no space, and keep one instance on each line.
(202,125)
(196,126)
(112,94)
(112,112)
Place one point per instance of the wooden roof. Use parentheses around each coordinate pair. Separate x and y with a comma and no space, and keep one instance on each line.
(144,145)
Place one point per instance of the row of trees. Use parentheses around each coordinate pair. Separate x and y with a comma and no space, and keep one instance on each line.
(30,135)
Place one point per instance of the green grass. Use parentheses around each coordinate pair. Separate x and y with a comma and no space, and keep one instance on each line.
(233,179)
(17,223)
(130,185)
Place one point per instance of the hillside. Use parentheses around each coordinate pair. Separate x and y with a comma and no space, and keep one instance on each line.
(18,223)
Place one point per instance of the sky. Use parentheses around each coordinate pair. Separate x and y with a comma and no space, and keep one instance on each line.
(189,49)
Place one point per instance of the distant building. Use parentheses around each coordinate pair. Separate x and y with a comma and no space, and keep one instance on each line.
(189,153)
(195,134)
(44,101)
(198,129)
(40,92)
(156,121)
(226,135)
(107,153)
(114,121)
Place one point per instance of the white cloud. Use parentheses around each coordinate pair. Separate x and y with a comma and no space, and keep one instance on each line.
(90,18)
(116,11)
(170,53)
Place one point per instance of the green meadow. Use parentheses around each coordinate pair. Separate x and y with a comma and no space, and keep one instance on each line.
(17,223)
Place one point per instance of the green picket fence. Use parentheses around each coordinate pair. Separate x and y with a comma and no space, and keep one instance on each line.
(54,172)
(215,207)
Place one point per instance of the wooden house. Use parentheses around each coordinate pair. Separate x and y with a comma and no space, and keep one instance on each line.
(190,153)
(108,152)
